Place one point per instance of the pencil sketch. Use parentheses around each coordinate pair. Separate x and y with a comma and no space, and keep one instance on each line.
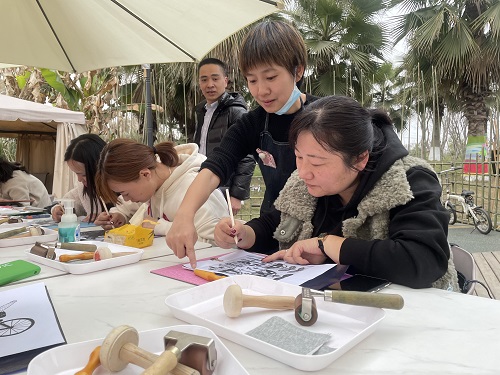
(13,326)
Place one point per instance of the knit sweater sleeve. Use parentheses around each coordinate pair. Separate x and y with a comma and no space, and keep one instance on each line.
(417,251)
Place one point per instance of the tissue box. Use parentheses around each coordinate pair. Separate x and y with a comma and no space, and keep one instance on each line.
(130,235)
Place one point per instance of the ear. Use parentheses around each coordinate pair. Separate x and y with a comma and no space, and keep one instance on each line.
(299,73)
(362,160)
(146,173)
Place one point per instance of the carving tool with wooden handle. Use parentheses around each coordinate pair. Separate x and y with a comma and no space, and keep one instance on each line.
(93,363)
(81,256)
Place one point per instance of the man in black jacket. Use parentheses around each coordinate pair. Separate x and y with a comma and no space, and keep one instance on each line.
(214,116)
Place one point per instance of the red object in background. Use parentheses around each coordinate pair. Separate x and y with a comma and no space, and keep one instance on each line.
(478,168)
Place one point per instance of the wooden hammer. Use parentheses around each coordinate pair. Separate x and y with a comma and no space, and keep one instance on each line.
(119,348)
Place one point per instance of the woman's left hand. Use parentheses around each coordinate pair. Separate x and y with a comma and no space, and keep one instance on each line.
(301,252)
(149,222)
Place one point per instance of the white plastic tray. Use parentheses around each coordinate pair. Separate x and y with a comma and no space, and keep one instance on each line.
(348,325)
(50,235)
(87,266)
(68,359)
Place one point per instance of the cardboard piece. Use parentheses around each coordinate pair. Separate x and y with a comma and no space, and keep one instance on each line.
(130,235)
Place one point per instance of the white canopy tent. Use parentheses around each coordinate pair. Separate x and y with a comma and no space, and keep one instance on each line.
(43,132)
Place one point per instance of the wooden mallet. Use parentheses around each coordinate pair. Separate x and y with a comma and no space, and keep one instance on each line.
(103,253)
(235,300)
(119,348)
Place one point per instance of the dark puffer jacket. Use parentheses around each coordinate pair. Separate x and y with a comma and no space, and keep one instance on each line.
(230,108)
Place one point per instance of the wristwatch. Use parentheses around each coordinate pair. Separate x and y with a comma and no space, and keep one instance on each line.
(321,245)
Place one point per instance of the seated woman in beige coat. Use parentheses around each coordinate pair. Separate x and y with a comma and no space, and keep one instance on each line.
(16,183)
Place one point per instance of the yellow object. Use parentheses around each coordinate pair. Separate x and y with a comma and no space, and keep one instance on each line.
(207,275)
(130,235)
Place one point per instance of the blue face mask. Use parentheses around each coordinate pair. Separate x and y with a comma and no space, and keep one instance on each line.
(291,100)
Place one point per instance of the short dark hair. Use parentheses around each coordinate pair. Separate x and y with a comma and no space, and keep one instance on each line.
(273,42)
(341,125)
(214,61)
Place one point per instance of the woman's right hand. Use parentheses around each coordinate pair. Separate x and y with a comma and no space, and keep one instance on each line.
(181,238)
(110,221)
(225,233)
(57,211)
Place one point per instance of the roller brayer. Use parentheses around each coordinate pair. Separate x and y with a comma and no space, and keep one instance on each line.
(304,305)
(306,312)
(75,246)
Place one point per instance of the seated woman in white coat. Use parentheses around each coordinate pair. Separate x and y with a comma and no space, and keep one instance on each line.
(17,184)
(159,176)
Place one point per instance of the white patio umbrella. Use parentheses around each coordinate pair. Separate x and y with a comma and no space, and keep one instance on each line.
(83,35)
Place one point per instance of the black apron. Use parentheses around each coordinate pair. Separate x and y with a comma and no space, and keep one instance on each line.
(274,178)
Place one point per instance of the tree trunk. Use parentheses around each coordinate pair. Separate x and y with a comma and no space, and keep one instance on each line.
(475,110)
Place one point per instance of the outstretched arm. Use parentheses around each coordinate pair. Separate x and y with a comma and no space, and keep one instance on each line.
(182,235)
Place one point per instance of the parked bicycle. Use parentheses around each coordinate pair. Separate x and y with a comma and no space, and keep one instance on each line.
(481,218)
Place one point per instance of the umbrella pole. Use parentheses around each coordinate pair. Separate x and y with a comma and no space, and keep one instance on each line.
(149,111)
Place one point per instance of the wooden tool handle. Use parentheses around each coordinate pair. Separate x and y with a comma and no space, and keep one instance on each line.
(166,362)
(181,369)
(13,232)
(133,354)
(82,256)
(270,302)
(77,246)
(92,364)
(385,301)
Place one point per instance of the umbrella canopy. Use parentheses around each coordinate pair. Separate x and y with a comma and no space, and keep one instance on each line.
(83,35)
(19,116)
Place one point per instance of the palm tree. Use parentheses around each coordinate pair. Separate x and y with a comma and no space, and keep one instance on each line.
(345,43)
(460,40)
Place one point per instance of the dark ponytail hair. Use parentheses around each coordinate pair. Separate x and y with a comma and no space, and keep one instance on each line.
(122,160)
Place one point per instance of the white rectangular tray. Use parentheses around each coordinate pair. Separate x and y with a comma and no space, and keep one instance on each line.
(348,325)
(87,266)
(68,359)
(49,235)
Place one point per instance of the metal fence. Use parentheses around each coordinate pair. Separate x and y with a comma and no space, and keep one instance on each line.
(484,185)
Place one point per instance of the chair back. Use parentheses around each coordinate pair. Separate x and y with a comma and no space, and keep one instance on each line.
(464,263)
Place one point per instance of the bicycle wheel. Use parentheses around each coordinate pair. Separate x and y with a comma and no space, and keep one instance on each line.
(483,223)
(15,326)
(452,211)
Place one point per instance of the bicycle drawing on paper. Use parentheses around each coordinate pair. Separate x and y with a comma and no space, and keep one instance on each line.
(13,327)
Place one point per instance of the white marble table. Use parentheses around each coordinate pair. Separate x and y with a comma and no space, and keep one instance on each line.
(437,332)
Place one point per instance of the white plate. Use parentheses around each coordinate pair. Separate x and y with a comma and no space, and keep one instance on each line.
(50,235)
(68,359)
(348,325)
(87,266)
